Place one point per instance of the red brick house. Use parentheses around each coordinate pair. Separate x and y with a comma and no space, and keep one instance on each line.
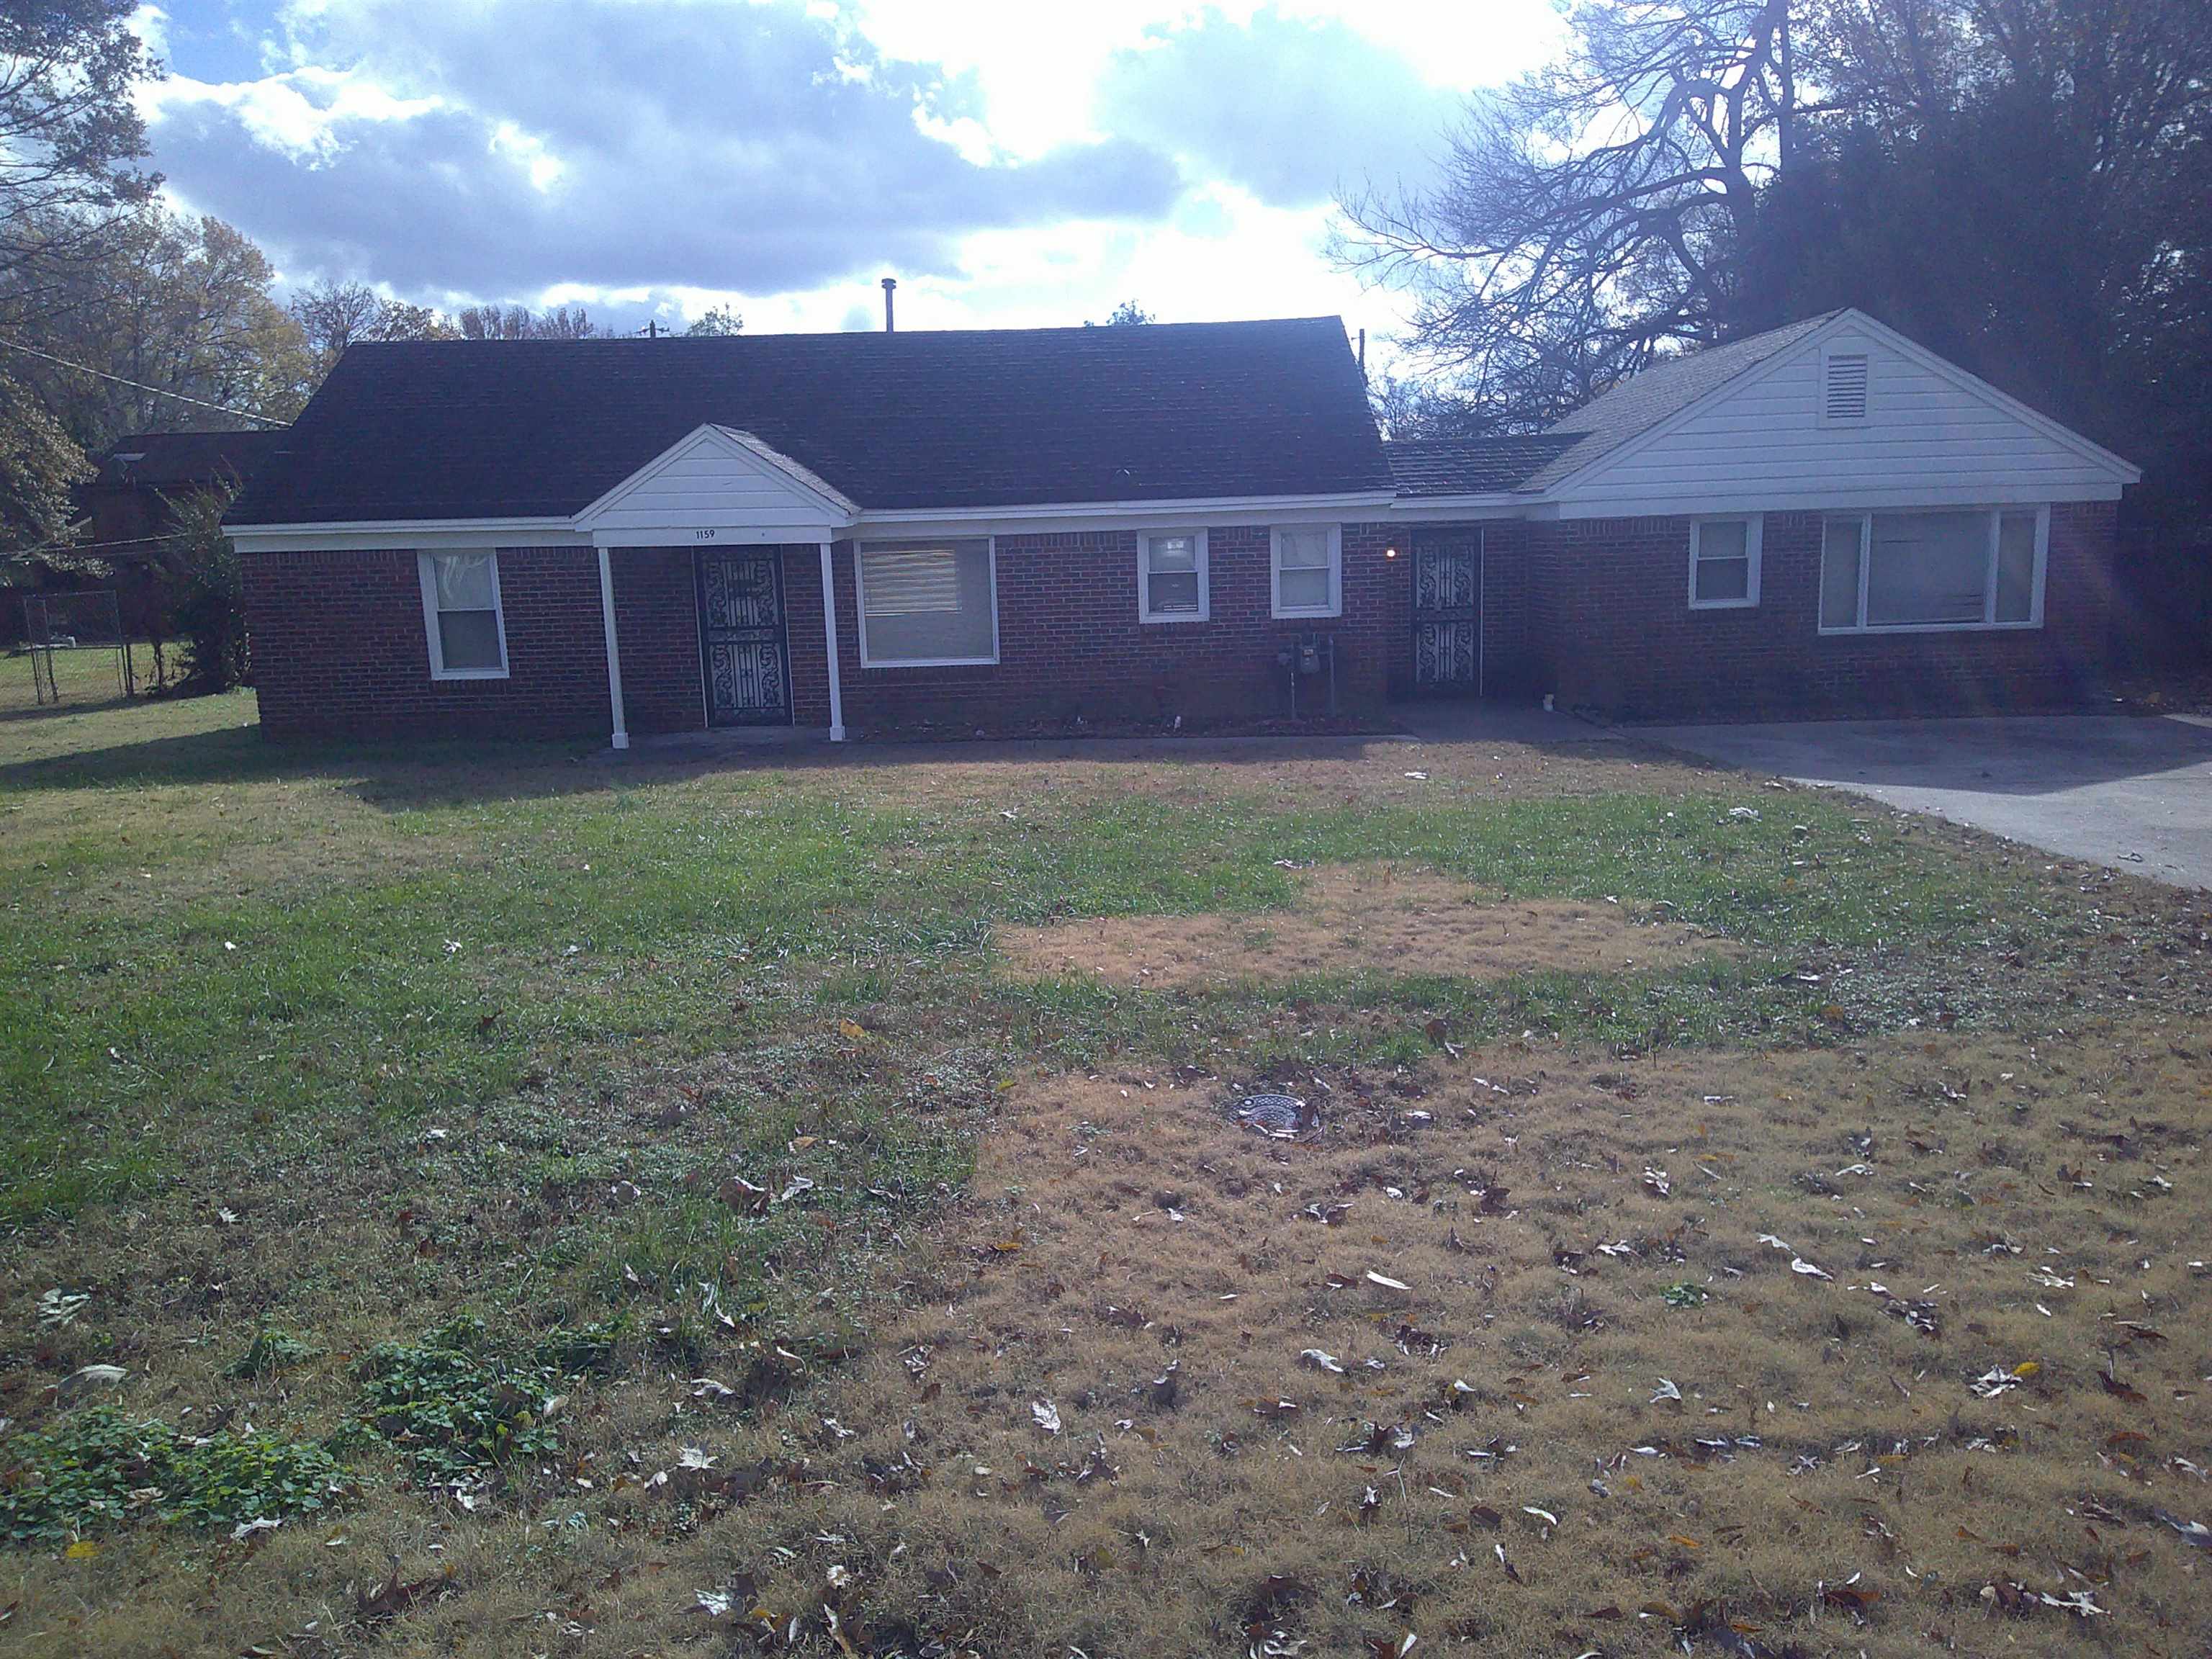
(871,532)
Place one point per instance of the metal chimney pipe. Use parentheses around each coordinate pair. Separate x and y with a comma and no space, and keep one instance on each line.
(1362,354)
(891,284)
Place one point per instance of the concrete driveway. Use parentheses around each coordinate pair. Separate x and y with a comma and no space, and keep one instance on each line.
(2131,793)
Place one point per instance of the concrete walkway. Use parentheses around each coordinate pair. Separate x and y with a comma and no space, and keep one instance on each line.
(2131,793)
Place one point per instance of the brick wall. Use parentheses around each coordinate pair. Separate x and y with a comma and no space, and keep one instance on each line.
(1070,643)
(339,647)
(1613,600)
(657,632)
(1595,610)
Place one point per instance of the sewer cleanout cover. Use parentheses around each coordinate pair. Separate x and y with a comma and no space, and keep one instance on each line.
(1279,1117)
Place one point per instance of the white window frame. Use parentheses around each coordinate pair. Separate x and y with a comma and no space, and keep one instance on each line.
(426,574)
(1989,622)
(1754,536)
(1144,611)
(860,604)
(1335,605)
(1829,353)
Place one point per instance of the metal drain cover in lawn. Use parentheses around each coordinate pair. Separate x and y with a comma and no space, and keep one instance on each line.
(1281,1117)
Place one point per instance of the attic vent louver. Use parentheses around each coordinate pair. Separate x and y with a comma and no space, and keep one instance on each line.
(1844,393)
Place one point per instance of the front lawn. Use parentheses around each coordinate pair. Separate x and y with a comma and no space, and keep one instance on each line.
(606,1206)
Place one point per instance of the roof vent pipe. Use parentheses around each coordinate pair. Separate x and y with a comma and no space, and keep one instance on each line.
(890,285)
(1362,354)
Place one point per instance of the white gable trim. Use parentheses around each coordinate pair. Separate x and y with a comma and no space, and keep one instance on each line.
(807,504)
(1853,324)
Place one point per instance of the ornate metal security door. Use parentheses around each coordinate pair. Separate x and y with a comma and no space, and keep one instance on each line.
(741,648)
(1448,611)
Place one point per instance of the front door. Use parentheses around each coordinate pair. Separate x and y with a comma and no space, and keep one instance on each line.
(741,636)
(1448,611)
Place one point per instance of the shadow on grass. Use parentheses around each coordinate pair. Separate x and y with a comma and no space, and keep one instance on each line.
(395,774)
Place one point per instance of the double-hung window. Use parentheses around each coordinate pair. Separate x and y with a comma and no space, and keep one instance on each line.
(1171,585)
(461,614)
(1724,563)
(1979,568)
(1306,567)
(926,604)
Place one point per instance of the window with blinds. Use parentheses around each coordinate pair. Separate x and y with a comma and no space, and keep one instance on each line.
(927,604)
(1980,569)
(1171,576)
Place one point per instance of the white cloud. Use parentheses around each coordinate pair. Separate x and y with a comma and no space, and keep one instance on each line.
(1012,163)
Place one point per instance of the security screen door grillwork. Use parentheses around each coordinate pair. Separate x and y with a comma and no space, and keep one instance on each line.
(741,636)
(1448,611)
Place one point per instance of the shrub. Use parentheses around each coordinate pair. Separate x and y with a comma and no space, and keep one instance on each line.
(207,595)
(452,1404)
(99,1468)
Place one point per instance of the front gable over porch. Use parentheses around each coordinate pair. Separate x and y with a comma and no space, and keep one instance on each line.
(720,487)
(718,484)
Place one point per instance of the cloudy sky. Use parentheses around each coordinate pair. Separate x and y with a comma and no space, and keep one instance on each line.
(1011,161)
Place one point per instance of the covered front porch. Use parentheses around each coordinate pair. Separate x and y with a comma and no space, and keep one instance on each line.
(717,590)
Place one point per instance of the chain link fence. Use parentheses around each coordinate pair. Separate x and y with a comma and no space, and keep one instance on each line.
(74,653)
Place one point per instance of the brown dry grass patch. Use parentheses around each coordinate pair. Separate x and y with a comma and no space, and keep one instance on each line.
(1379,918)
(1281,773)
(1124,1230)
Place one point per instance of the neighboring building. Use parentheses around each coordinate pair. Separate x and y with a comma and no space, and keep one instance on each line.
(1003,528)
(126,511)
(132,501)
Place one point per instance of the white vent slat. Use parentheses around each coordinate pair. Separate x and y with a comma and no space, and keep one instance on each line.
(1846,390)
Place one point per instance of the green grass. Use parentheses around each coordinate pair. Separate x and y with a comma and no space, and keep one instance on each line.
(510,911)
(659,1071)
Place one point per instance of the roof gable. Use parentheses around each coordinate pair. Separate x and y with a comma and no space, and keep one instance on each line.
(716,479)
(1753,431)
(1645,400)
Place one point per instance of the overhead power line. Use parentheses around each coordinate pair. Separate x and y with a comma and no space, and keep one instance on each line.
(138,386)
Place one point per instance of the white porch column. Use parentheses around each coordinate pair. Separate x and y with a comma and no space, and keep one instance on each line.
(614,652)
(829,639)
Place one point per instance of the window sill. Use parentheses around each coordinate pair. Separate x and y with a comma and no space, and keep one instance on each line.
(934,662)
(1724,604)
(1171,621)
(1330,615)
(469,674)
(1932,627)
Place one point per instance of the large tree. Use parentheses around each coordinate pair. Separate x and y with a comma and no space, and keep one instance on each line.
(70,135)
(1589,216)
(494,322)
(39,464)
(177,326)
(332,316)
